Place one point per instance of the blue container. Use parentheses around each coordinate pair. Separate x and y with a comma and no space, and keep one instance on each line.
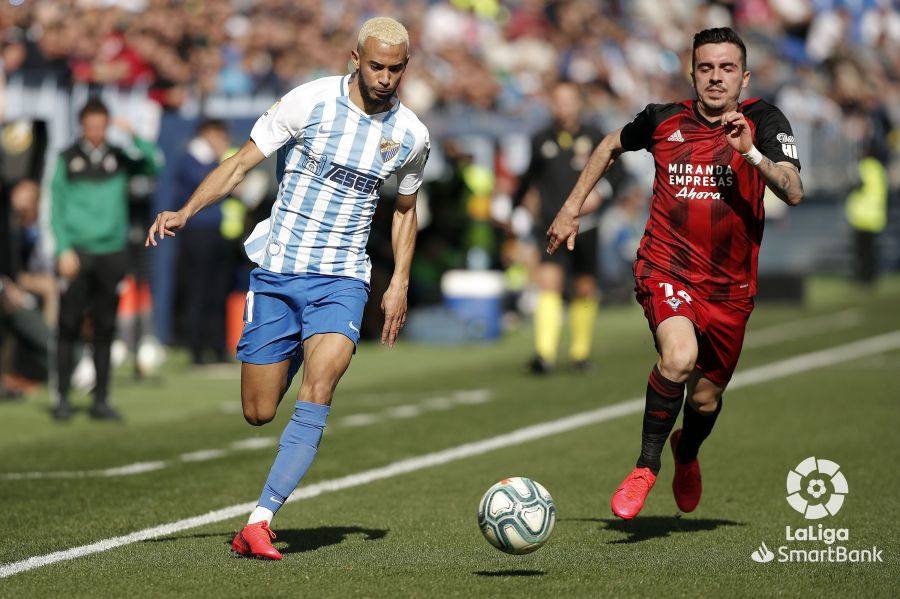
(475,296)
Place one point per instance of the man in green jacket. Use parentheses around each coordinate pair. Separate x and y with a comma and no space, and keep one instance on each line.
(90,223)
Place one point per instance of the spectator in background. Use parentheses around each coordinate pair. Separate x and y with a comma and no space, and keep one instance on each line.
(205,251)
(90,224)
(32,268)
(558,155)
(867,214)
(27,295)
(621,229)
(23,143)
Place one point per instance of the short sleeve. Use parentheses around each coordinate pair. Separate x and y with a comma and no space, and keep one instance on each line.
(775,138)
(410,175)
(638,134)
(283,121)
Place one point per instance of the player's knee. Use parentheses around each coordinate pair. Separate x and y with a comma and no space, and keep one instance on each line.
(257,410)
(317,391)
(677,362)
(705,400)
(257,417)
(585,288)
(704,403)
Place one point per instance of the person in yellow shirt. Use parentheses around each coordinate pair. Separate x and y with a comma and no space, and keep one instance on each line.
(866,210)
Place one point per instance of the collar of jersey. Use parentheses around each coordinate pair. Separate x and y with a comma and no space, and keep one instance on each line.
(345,91)
(702,119)
(93,152)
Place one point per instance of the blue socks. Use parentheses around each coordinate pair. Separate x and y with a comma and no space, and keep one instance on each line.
(296,451)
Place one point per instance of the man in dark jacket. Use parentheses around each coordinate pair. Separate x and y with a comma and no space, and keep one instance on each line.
(205,252)
(559,152)
(89,219)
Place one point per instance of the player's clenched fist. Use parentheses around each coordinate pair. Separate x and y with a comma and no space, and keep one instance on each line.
(737,131)
(564,228)
(165,225)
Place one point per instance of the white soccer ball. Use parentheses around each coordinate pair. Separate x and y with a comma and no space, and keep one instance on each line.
(151,355)
(517,515)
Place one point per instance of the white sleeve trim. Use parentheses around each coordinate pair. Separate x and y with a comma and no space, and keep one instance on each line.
(411,174)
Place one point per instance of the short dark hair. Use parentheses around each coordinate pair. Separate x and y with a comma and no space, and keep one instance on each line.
(212,125)
(718,35)
(93,106)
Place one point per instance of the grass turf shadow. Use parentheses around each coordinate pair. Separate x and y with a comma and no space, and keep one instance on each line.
(514,573)
(655,527)
(298,540)
(310,539)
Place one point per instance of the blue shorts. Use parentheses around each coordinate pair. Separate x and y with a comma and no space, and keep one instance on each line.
(284,310)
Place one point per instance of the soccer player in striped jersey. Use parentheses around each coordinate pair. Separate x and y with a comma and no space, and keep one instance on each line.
(337,140)
(695,273)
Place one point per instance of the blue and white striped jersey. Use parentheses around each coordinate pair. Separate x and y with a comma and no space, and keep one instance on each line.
(332,160)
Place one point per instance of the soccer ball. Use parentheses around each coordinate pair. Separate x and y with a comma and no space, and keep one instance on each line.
(517,515)
(151,355)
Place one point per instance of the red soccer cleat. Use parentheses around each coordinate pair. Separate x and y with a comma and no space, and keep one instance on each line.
(255,540)
(629,498)
(686,485)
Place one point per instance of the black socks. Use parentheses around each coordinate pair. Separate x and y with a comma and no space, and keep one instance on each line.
(696,428)
(664,399)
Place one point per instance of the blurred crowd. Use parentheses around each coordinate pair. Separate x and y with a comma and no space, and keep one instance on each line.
(480,53)
(829,64)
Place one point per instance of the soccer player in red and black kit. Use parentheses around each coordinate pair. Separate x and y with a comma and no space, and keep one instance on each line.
(695,272)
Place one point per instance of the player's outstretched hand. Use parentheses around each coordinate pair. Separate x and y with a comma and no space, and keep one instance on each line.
(563,229)
(737,131)
(165,225)
(393,304)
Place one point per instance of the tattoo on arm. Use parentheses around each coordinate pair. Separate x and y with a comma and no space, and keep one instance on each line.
(782,179)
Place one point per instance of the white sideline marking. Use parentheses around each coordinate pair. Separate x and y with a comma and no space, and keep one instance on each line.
(752,376)
(467,397)
(457,398)
(254,443)
(128,469)
(203,455)
(807,327)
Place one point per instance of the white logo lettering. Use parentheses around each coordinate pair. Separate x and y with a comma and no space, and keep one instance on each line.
(789,150)
(693,194)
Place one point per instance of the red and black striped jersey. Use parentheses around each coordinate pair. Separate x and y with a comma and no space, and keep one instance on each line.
(706,211)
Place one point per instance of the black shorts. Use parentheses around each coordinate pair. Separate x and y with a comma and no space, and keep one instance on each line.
(580,261)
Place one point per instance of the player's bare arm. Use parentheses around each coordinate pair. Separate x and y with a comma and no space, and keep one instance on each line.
(564,227)
(217,184)
(403,240)
(783,178)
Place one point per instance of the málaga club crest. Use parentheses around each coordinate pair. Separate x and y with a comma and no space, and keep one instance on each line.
(389,148)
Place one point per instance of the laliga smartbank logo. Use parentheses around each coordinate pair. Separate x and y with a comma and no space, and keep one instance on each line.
(816,488)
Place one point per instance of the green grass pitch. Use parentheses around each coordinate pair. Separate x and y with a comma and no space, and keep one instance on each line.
(414,534)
